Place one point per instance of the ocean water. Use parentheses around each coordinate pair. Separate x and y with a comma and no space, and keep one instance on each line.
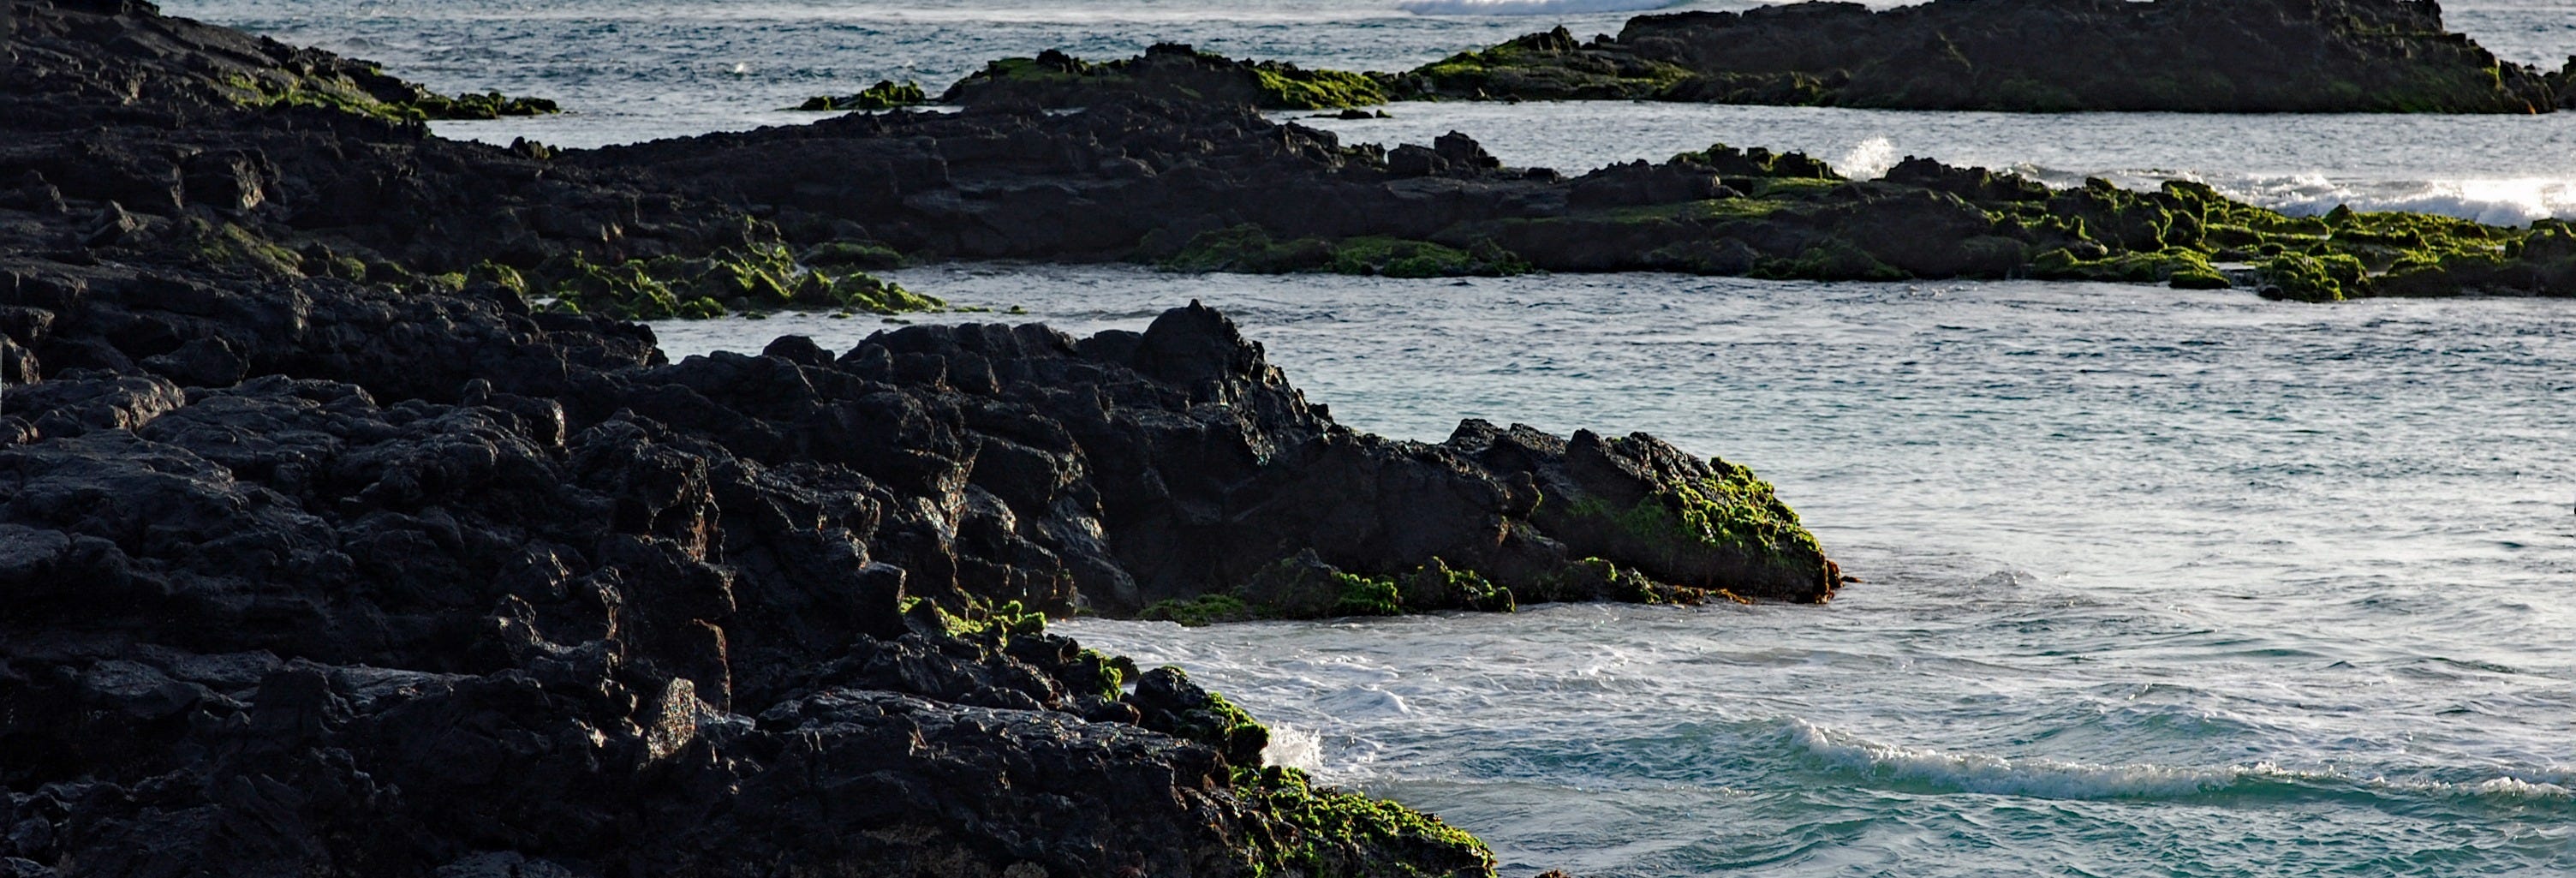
(2157,582)
(632,70)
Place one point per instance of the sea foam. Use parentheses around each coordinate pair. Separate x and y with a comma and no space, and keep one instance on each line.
(1294,747)
(2037,778)
(1869,160)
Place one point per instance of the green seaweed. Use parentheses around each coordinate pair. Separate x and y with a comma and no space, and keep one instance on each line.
(885,95)
(1539,66)
(1729,510)
(1309,830)
(1320,831)
(340,93)
(1436,585)
(1201,611)
(1367,596)
(1166,71)
(747,280)
(2312,278)
(1249,249)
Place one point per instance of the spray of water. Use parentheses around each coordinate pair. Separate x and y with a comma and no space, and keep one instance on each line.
(1868,161)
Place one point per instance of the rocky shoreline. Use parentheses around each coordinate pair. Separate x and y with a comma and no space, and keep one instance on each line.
(350,530)
(2207,56)
(1195,186)
(340,541)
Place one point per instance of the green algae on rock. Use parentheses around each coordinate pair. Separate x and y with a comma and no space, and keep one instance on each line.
(749,279)
(887,94)
(1306,830)
(1247,249)
(1166,71)
(365,90)
(2171,55)
(1548,66)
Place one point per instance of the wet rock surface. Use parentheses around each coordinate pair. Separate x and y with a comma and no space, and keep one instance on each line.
(328,552)
(1167,71)
(418,585)
(334,542)
(2175,55)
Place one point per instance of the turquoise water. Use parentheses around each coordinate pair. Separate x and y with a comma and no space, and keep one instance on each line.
(2158,582)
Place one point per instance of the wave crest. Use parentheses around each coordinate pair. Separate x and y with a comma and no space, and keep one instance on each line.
(2038,778)
(2042,778)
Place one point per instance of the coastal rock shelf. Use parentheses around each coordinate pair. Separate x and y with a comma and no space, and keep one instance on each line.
(337,538)
(339,580)
(1195,186)
(1168,72)
(2227,56)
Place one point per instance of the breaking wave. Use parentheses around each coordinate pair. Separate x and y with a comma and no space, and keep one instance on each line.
(2058,779)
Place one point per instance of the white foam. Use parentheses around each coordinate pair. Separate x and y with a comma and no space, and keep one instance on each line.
(1294,747)
(2503,202)
(1869,160)
(1529,7)
(2494,201)
(2517,788)
(2040,778)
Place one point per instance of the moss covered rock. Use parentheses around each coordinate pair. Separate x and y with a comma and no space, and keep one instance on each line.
(748,279)
(2180,55)
(1167,71)
(1249,249)
(885,95)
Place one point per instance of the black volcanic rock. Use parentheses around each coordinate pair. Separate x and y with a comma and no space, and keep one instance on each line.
(1167,71)
(2233,56)
(324,577)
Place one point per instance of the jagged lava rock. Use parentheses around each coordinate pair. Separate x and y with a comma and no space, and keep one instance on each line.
(2235,56)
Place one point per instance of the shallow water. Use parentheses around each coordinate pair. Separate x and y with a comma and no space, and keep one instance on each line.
(2157,581)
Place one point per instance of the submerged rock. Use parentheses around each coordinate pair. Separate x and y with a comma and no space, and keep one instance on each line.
(2238,56)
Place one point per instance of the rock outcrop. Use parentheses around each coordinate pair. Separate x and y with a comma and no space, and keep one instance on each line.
(71,54)
(138,137)
(1194,186)
(1167,71)
(332,579)
(2227,56)
(335,541)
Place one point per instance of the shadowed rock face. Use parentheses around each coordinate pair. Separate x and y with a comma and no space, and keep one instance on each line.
(310,565)
(124,54)
(696,226)
(2020,55)
(1167,71)
(326,578)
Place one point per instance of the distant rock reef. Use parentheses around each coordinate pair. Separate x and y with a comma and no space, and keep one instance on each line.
(1199,186)
(2222,56)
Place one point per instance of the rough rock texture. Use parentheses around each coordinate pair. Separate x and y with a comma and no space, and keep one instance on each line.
(324,579)
(122,53)
(1193,186)
(1167,71)
(323,553)
(2020,55)
(130,138)
(779,217)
